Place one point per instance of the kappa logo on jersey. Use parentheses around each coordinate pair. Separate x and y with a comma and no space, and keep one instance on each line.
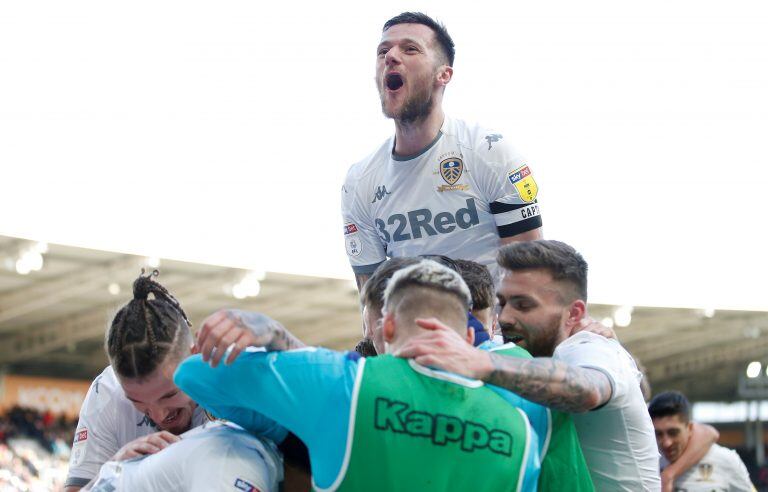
(451,170)
(81,436)
(420,222)
(398,417)
(380,193)
(494,137)
(241,484)
(523,181)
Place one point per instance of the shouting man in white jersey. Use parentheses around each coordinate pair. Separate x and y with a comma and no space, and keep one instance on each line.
(439,185)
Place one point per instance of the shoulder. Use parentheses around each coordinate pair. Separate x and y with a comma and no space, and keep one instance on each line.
(105,390)
(366,167)
(483,145)
(585,340)
(588,349)
(723,455)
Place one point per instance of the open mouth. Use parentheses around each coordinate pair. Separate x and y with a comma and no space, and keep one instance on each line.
(393,81)
(513,338)
(171,418)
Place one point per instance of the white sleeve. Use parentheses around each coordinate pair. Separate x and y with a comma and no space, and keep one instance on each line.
(239,467)
(365,248)
(738,476)
(508,185)
(95,438)
(593,351)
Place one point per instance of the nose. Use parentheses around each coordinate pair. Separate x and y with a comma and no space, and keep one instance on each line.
(507,316)
(157,414)
(666,442)
(392,57)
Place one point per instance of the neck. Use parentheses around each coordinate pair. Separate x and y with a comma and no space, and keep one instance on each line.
(413,137)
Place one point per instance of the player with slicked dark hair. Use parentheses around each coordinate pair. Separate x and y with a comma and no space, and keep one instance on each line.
(719,469)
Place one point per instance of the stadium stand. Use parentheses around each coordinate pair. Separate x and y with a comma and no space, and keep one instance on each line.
(34,450)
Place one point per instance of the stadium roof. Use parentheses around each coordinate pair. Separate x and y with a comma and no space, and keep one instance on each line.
(52,321)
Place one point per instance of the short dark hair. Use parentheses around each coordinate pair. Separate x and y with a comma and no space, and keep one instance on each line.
(441,33)
(145,332)
(479,281)
(373,290)
(562,261)
(668,404)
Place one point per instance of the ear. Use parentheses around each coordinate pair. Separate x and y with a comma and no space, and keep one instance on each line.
(388,327)
(576,312)
(494,323)
(444,74)
(471,335)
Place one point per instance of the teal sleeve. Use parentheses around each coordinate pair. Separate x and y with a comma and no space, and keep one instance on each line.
(539,416)
(308,391)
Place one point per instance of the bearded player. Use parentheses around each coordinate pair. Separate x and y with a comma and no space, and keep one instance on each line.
(439,185)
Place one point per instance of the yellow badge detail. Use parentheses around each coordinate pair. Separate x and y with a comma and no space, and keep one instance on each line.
(525,184)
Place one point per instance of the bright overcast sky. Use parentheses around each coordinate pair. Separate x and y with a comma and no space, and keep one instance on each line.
(220,132)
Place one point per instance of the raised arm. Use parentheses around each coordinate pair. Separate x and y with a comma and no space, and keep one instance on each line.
(549,382)
(542,380)
(230,331)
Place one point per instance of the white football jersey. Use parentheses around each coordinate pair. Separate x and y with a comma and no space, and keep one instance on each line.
(456,198)
(720,469)
(108,421)
(617,439)
(216,456)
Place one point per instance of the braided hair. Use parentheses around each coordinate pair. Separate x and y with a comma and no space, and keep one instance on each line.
(145,332)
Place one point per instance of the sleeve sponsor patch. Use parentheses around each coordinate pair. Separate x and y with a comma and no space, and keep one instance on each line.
(524,183)
(78,448)
(352,240)
(81,436)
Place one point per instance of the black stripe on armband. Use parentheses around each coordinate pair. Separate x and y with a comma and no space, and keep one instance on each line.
(365,269)
(500,208)
(520,227)
(76,482)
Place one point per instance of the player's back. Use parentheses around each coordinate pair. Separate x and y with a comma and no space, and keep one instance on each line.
(418,429)
(216,456)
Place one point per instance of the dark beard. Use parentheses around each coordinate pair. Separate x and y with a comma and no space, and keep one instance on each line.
(541,345)
(417,107)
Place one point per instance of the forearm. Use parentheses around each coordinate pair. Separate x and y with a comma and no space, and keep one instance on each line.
(551,383)
(283,339)
(699,444)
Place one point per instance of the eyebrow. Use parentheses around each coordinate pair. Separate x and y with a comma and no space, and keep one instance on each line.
(167,395)
(402,41)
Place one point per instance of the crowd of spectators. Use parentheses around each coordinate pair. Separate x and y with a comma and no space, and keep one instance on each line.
(34,450)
